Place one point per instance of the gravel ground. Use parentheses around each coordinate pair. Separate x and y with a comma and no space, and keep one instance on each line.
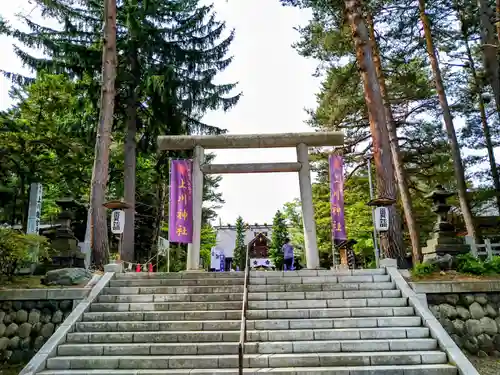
(487,365)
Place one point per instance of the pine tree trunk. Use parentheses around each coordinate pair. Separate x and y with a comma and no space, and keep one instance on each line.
(397,160)
(391,241)
(450,129)
(482,111)
(489,46)
(103,141)
(128,251)
(497,22)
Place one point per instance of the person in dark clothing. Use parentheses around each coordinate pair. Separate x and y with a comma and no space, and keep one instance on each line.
(287,255)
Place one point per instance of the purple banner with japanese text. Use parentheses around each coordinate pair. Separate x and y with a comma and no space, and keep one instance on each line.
(337,197)
(180,223)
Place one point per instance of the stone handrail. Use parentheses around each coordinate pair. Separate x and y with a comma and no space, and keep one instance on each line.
(455,355)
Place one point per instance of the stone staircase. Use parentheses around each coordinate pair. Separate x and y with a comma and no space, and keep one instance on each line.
(298,323)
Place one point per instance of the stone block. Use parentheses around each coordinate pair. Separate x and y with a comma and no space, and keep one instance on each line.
(355,323)
(316,346)
(346,303)
(413,344)
(387,302)
(400,321)
(287,314)
(311,324)
(365,346)
(371,311)
(330,313)
(294,360)
(395,358)
(275,347)
(356,279)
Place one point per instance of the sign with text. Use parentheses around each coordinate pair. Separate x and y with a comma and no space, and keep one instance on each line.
(34,208)
(381,219)
(117,221)
(336,165)
(180,223)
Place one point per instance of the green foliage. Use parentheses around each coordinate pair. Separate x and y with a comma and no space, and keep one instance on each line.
(239,254)
(423,269)
(17,249)
(466,263)
(278,237)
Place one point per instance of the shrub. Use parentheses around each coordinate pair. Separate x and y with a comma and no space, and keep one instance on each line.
(493,265)
(423,269)
(466,263)
(16,249)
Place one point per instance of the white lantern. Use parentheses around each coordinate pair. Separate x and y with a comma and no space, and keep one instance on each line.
(381,219)
(117,221)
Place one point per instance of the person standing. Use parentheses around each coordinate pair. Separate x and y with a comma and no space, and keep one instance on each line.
(287,255)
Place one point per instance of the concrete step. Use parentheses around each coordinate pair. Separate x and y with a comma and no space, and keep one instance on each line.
(137,298)
(176,282)
(149,349)
(173,289)
(161,315)
(325,346)
(250,360)
(179,275)
(338,334)
(166,306)
(311,313)
(438,369)
(158,337)
(308,273)
(317,287)
(317,304)
(338,294)
(319,279)
(323,323)
(135,326)
(350,346)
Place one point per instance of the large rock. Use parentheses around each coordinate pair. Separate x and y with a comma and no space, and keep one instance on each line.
(4,343)
(481,298)
(463,313)
(47,330)
(68,276)
(473,327)
(476,311)
(485,342)
(447,311)
(21,316)
(471,344)
(459,327)
(452,299)
(3,327)
(34,316)
(489,326)
(11,330)
(24,330)
(57,317)
(467,299)
(490,311)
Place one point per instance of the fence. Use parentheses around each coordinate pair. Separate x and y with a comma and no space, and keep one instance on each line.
(487,249)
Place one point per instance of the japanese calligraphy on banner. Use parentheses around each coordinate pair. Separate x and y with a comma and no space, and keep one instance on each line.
(180,224)
(337,197)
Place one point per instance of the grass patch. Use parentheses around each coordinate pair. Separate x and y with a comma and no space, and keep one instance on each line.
(31,282)
(11,369)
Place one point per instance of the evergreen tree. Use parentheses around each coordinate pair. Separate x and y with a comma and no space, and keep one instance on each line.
(278,237)
(239,254)
(168,56)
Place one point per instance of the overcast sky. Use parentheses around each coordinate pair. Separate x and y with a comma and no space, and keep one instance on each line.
(277,85)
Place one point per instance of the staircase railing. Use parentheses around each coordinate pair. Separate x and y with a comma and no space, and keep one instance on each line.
(243,329)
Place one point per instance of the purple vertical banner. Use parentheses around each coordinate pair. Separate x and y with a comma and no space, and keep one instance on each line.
(180,223)
(337,197)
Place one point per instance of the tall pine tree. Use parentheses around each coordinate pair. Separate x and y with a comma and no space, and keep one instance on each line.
(169,53)
(278,236)
(239,255)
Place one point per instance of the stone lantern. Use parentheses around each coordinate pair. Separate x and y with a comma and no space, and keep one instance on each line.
(444,239)
(65,244)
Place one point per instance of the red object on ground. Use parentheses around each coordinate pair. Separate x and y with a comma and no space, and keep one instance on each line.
(150,267)
(138,268)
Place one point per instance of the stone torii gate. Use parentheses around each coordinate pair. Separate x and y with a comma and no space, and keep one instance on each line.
(301,141)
